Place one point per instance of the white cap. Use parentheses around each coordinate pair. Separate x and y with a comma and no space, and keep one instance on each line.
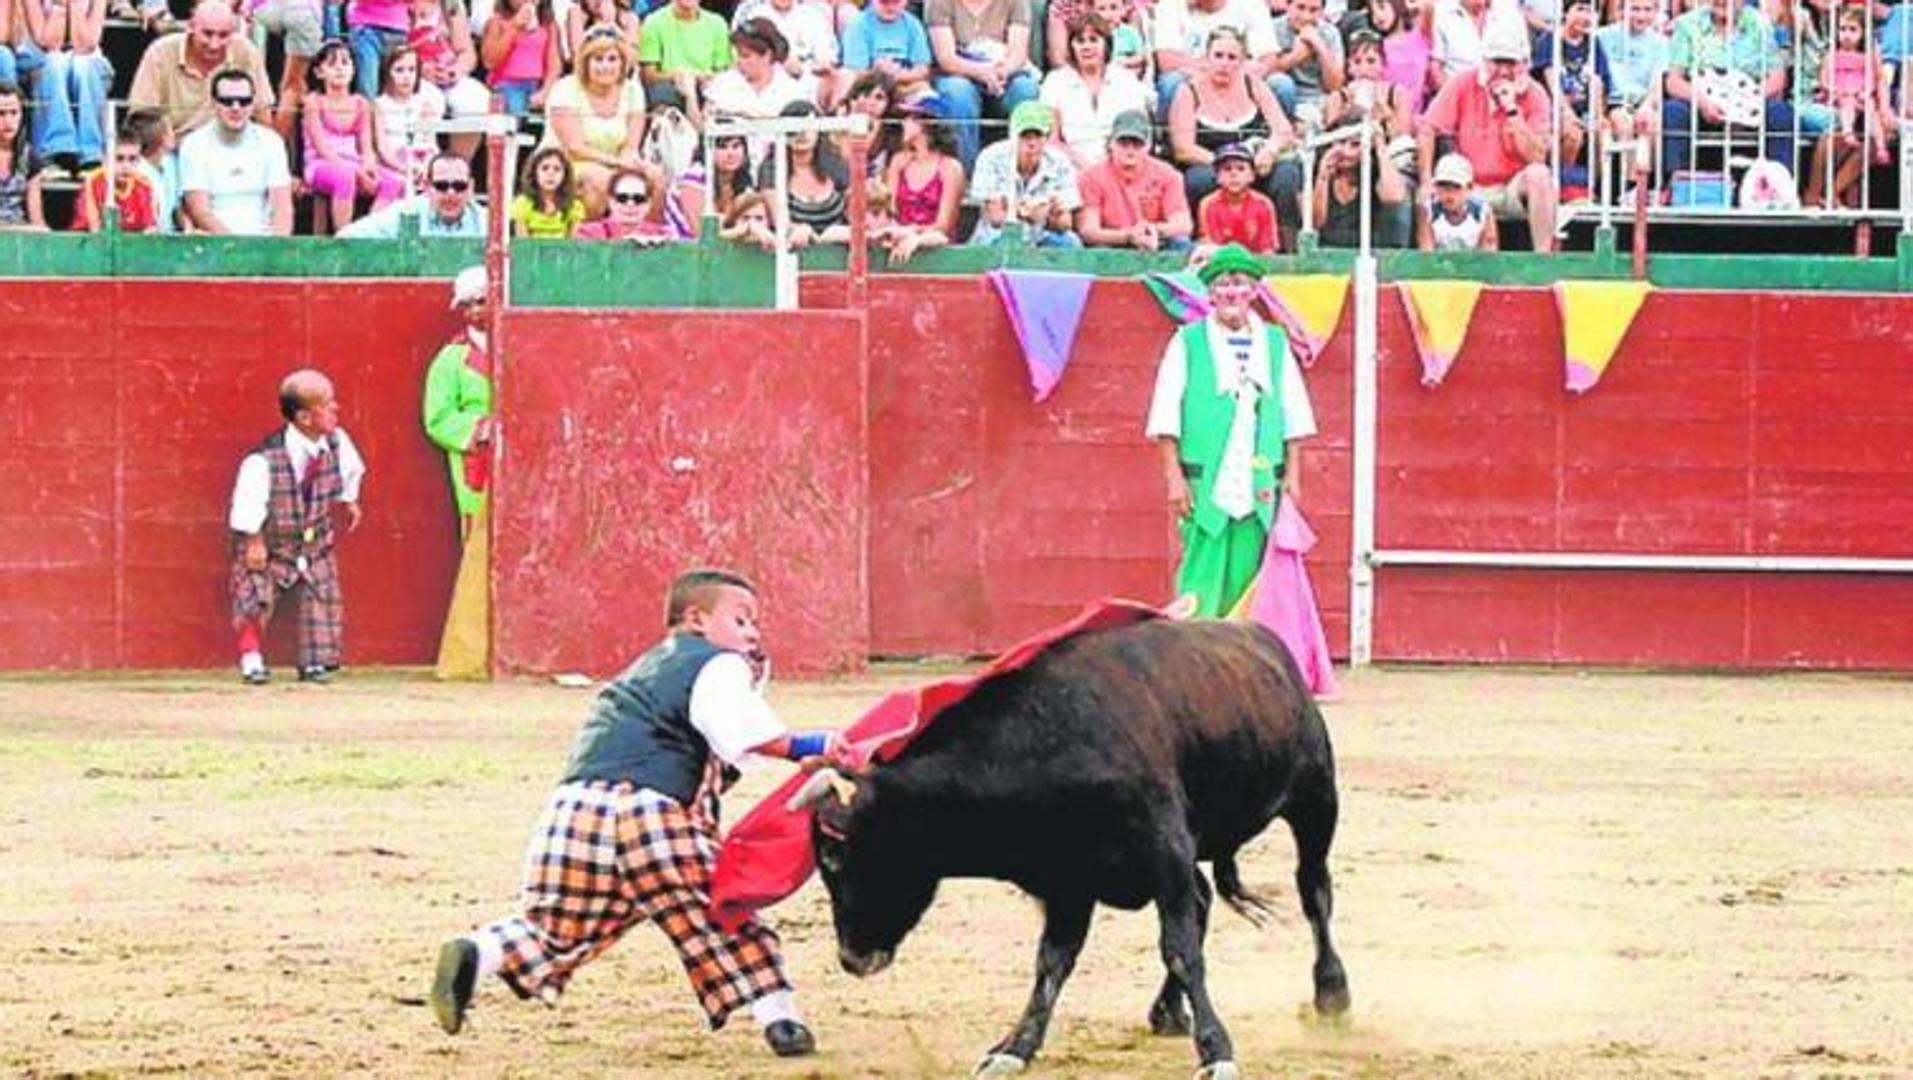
(1506,39)
(1454,169)
(469,286)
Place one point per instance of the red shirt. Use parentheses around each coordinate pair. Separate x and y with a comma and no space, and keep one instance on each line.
(135,202)
(1249,221)
(1464,110)
(1154,194)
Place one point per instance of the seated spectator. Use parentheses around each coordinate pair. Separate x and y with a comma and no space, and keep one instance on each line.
(819,180)
(1463,26)
(1027,178)
(1128,39)
(157,163)
(20,203)
(442,37)
(874,94)
(728,177)
(1088,94)
(445,209)
(523,51)
(1226,106)
(175,71)
(300,26)
(1499,119)
(596,114)
(924,178)
(1236,213)
(1716,47)
(634,215)
(1582,78)
(810,30)
(982,51)
(407,108)
(546,206)
(757,85)
(341,159)
(588,15)
(886,39)
(1308,62)
(1368,91)
(59,56)
(681,48)
(132,192)
(1406,28)
(1186,31)
(749,222)
(1455,218)
(899,241)
(1856,85)
(1132,200)
(233,172)
(1337,211)
(1636,53)
(1802,31)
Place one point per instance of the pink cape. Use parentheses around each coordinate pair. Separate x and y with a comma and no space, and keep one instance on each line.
(768,855)
(1285,603)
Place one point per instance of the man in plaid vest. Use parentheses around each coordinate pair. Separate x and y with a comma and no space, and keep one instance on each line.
(283,534)
(630,834)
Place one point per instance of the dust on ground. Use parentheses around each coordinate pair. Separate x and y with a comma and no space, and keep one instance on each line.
(1538,874)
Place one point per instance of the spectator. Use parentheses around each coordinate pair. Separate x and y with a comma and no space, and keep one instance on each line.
(378,27)
(811,33)
(60,56)
(924,177)
(680,49)
(444,210)
(1088,94)
(588,15)
(1463,26)
(1580,81)
(1895,31)
(596,114)
(20,206)
(901,242)
(1132,200)
(886,39)
(729,180)
(300,26)
(818,180)
(132,192)
(1337,210)
(1307,64)
(1186,30)
(9,68)
(233,171)
(443,39)
(1716,56)
(1802,29)
(1498,117)
(1235,213)
(1225,106)
(546,206)
(749,222)
(1128,43)
(176,70)
(1367,93)
(1856,87)
(1027,178)
(1455,219)
(874,94)
(523,52)
(407,108)
(1637,61)
(758,85)
(982,53)
(341,159)
(1406,29)
(158,163)
(634,214)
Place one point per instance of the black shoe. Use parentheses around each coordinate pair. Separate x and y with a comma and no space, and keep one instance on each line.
(788,1038)
(452,985)
(256,678)
(315,674)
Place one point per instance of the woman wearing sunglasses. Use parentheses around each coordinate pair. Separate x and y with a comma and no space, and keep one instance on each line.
(633,215)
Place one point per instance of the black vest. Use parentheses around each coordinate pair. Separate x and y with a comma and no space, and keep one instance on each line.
(639,730)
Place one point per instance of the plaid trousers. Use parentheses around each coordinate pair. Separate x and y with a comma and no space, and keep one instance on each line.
(255,595)
(605,857)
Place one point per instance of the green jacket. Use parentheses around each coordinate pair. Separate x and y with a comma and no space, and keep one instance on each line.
(1206,416)
(457,397)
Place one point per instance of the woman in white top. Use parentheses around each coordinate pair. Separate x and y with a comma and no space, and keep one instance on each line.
(810,28)
(757,86)
(597,116)
(1088,93)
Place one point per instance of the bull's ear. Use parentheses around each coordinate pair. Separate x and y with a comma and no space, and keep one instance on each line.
(822,783)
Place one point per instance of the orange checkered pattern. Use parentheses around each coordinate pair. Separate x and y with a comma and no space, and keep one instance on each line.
(606,857)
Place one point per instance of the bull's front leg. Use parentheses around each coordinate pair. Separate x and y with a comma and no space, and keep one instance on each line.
(1179,905)
(1065,925)
(1166,1014)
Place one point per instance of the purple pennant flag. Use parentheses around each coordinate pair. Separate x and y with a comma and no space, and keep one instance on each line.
(1045,309)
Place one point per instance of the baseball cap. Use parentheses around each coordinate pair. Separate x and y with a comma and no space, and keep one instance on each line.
(1505,41)
(1133,124)
(1032,116)
(469,286)
(1234,151)
(1454,169)
(929,105)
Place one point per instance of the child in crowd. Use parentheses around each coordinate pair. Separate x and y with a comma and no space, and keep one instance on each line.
(1126,46)
(749,222)
(154,133)
(341,161)
(1855,83)
(20,206)
(431,37)
(1582,74)
(1236,213)
(546,206)
(631,213)
(407,106)
(729,178)
(523,53)
(1407,29)
(1456,219)
(132,192)
(630,835)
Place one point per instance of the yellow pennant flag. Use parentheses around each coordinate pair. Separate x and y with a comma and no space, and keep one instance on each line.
(1595,316)
(463,649)
(1439,312)
(1309,305)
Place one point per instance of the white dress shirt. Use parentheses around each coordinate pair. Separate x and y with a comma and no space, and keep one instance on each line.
(728,711)
(253,490)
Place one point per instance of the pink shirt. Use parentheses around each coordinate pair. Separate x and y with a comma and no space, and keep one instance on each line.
(384,14)
(526,60)
(1405,63)
(1463,110)
(603,229)
(1153,195)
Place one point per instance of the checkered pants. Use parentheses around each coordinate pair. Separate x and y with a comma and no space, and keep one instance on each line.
(255,595)
(606,857)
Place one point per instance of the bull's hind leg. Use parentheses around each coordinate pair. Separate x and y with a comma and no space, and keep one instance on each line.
(1181,901)
(1167,1016)
(1311,819)
(1065,925)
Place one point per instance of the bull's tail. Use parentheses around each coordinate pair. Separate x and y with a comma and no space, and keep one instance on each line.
(1240,899)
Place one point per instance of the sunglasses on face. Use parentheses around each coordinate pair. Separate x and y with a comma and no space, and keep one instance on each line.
(631,198)
(448,186)
(232,101)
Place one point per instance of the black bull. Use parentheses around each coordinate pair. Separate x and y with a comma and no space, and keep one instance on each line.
(1101,772)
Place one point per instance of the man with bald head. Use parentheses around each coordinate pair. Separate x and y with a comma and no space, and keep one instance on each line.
(282,525)
(176,72)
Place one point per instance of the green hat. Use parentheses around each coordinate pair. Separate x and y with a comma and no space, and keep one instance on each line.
(1133,124)
(1231,259)
(1032,116)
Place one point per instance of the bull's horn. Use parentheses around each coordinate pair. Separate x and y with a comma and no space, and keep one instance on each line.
(822,782)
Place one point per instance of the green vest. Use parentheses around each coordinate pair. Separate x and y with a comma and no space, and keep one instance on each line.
(1206,416)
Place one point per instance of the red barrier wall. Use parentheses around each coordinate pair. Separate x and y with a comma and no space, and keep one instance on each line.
(125,407)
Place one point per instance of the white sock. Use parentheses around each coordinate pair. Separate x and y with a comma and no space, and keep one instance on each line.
(774,1006)
(490,956)
(250,662)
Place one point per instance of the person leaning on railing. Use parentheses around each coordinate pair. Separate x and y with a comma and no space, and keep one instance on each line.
(1636,53)
(1499,119)
(445,210)
(1133,200)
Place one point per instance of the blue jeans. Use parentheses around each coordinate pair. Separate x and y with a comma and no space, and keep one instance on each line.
(966,101)
(9,71)
(1816,119)
(1677,114)
(69,94)
(369,46)
(332,20)
(517,95)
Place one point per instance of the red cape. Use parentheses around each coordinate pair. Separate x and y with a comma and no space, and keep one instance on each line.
(768,855)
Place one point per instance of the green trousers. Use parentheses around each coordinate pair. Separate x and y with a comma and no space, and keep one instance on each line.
(1219,569)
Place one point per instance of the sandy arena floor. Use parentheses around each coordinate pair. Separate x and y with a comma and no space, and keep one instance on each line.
(1539,874)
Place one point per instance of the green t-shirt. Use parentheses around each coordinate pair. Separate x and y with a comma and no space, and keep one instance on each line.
(701,45)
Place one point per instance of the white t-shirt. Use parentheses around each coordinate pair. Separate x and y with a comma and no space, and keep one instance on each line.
(1181,28)
(1085,119)
(238,176)
(252,490)
(728,711)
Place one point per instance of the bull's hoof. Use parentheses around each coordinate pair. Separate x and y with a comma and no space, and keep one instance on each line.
(1331,998)
(999,1065)
(1165,1020)
(1219,1070)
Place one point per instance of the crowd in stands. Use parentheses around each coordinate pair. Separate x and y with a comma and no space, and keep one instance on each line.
(1150,124)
